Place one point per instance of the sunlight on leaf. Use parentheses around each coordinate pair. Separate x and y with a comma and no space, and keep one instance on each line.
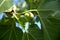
(5,5)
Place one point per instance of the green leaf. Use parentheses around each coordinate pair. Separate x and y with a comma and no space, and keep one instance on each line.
(50,27)
(25,36)
(5,5)
(34,33)
(32,4)
(9,31)
(49,16)
(46,13)
(51,5)
(56,14)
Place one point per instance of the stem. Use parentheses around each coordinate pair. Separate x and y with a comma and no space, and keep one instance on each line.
(44,28)
(29,11)
(18,20)
(37,10)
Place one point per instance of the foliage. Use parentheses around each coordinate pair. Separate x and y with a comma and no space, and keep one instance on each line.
(46,11)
